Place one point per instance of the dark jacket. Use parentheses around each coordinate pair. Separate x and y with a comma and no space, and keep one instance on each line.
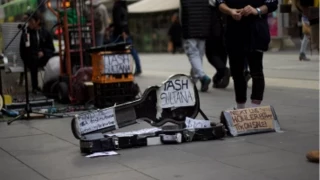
(252,32)
(120,18)
(175,32)
(30,54)
(195,18)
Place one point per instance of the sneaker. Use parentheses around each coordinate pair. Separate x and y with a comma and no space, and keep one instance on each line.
(205,82)
(194,80)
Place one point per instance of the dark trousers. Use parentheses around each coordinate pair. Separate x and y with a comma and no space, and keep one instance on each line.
(237,62)
(217,56)
(33,65)
(177,46)
(134,52)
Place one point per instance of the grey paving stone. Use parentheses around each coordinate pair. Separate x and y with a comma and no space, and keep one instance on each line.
(132,175)
(203,170)
(310,171)
(262,161)
(155,156)
(70,163)
(16,129)
(19,173)
(302,126)
(229,148)
(294,142)
(34,145)
(60,128)
(12,169)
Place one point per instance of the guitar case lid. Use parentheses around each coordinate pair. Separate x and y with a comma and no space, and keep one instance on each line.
(110,47)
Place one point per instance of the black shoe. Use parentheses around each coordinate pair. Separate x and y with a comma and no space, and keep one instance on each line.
(36,92)
(223,82)
(137,73)
(303,57)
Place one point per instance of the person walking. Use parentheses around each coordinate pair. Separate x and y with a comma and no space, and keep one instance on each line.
(247,37)
(121,31)
(101,21)
(305,39)
(195,22)
(216,52)
(175,35)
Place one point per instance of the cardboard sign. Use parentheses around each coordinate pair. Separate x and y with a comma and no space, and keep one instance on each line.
(177,91)
(251,120)
(96,120)
(116,64)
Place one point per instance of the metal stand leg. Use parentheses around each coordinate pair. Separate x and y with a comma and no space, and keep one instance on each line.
(28,109)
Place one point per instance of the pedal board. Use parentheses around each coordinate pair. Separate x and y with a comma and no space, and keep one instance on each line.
(37,104)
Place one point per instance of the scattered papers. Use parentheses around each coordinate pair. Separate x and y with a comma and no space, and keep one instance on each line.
(194,123)
(100,154)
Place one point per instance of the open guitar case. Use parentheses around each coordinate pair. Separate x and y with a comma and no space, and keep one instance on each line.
(145,109)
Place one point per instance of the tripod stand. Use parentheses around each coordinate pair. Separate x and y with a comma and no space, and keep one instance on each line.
(25,115)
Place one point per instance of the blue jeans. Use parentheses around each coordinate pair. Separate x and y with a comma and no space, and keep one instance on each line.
(99,39)
(134,52)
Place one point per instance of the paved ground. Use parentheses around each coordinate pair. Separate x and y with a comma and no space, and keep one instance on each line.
(46,149)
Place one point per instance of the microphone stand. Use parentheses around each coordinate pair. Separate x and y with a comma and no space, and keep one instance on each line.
(25,115)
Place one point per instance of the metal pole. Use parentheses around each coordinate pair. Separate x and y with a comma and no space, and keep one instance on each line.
(280,21)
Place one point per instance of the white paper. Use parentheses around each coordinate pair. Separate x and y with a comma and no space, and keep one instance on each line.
(194,123)
(99,154)
(138,132)
(96,120)
(116,64)
(176,92)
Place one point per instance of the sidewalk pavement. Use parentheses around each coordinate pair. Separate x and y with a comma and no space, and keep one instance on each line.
(46,149)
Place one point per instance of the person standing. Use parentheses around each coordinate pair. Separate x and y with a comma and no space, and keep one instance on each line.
(36,47)
(174,33)
(101,21)
(247,37)
(195,22)
(121,31)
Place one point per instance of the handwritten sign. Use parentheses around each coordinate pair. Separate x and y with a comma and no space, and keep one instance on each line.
(116,64)
(251,120)
(96,120)
(194,123)
(176,92)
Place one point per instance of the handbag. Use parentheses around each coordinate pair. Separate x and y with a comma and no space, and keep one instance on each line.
(306,29)
(260,35)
